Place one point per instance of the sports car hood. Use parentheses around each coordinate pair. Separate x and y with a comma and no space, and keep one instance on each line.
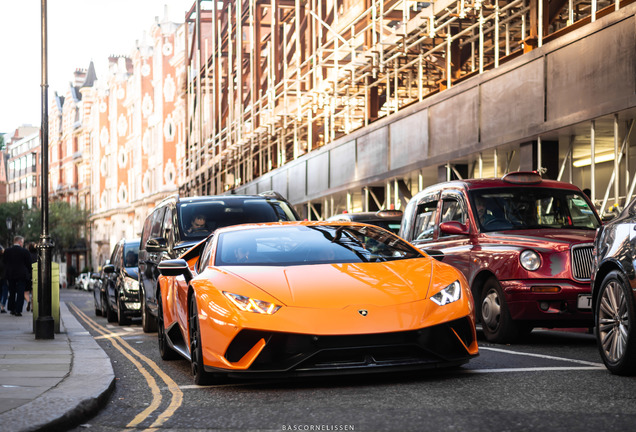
(341,285)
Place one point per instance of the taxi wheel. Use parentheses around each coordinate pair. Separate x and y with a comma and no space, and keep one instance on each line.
(496,322)
(165,351)
(148,322)
(122,319)
(201,377)
(615,321)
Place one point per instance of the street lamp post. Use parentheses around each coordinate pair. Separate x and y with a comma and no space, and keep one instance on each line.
(44,324)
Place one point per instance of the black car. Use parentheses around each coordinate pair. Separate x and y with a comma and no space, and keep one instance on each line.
(121,285)
(178,223)
(387,219)
(99,292)
(614,292)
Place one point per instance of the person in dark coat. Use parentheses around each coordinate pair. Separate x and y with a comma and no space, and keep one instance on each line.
(17,261)
(4,288)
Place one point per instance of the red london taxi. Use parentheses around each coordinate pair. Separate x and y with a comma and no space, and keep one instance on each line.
(523,243)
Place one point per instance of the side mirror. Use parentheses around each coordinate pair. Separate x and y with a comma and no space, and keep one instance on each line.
(454,228)
(109,268)
(175,267)
(157,244)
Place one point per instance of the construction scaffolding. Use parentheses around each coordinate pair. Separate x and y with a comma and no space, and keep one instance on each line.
(269,81)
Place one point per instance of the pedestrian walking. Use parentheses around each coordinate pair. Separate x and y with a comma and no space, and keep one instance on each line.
(17,261)
(4,287)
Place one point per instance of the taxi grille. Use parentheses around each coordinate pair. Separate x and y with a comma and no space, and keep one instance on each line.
(582,261)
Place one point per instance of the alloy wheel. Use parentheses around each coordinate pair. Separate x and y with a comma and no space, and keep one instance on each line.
(613,321)
(491,309)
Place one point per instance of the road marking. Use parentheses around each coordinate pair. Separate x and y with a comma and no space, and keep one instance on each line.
(111,334)
(548,357)
(532,369)
(152,383)
(177,395)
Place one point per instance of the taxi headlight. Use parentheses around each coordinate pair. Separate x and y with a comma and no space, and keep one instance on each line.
(248,304)
(530,260)
(450,294)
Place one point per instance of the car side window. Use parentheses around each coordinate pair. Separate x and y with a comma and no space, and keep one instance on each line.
(157,220)
(145,232)
(167,226)
(114,258)
(425,219)
(204,258)
(453,211)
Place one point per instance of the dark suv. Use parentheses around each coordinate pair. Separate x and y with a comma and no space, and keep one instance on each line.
(176,224)
(120,283)
(523,243)
(614,295)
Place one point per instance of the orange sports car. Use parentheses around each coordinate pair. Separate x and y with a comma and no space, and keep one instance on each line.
(307,298)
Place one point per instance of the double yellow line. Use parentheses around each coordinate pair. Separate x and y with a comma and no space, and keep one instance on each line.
(130,353)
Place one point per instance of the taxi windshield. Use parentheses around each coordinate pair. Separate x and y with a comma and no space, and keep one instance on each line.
(517,208)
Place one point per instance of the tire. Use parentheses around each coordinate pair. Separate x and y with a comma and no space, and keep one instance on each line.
(122,319)
(148,322)
(98,310)
(165,351)
(615,319)
(201,377)
(104,309)
(111,315)
(496,322)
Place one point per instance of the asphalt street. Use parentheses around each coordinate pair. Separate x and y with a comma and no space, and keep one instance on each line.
(553,381)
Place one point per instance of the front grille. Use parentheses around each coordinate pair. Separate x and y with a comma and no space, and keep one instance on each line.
(582,259)
(302,352)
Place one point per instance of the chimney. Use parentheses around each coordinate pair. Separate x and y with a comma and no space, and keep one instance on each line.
(79,76)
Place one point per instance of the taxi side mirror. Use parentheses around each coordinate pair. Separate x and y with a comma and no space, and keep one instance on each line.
(454,228)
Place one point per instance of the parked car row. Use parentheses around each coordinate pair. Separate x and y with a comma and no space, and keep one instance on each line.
(118,297)
(274,295)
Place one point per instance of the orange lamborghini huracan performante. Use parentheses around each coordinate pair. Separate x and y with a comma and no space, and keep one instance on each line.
(309,298)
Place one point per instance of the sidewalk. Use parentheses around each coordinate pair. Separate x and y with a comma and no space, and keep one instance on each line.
(50,384)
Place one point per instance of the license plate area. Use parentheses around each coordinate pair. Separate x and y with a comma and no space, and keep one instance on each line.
(584,302)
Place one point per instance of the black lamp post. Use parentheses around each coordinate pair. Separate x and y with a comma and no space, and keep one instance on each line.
(44,324)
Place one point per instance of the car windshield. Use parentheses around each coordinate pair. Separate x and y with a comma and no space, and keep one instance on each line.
(131,254)
(312,244)
(199,219)
(393,226)
(517,208)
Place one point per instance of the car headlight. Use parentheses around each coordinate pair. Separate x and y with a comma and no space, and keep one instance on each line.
(131,285)
(450,294)
(248,304)
(530,260)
